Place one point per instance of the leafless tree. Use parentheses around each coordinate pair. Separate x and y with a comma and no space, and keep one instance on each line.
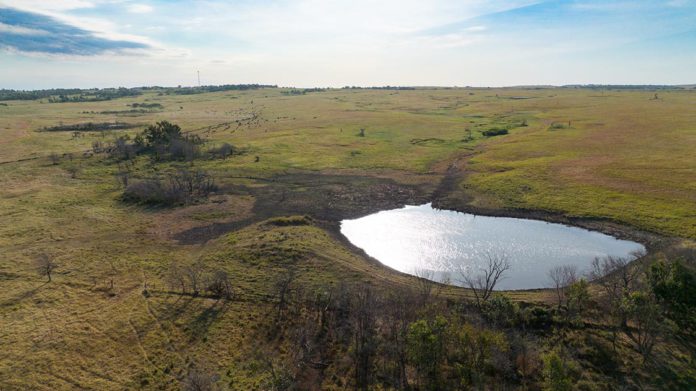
(561,278)
(282,288)
(185,185)
(176,278)
(45,265)
(194,274)
(482,284)
(198,380)
(617,278)
(424,283)
(219,285)
(54,158)
(73,171)
(399,311)
(364,320)
(97,146)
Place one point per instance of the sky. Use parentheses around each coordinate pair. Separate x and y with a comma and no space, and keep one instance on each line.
(334,43)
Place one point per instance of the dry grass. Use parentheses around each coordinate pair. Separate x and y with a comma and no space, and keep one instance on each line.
(623,157)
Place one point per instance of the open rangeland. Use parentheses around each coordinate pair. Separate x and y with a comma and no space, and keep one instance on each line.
(622,161)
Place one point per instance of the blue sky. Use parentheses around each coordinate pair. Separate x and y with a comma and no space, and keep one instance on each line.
(307,43)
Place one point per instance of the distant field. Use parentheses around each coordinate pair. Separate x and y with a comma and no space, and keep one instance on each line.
(615,155)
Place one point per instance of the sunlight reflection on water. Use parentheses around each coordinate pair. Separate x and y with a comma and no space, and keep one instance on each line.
(420,237)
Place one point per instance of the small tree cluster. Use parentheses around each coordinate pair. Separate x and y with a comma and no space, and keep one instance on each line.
(180,188)
(195,280)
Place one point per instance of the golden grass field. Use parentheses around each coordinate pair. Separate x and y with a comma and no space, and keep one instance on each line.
(604,155)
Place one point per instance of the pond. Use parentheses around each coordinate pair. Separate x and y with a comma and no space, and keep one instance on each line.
(441,244)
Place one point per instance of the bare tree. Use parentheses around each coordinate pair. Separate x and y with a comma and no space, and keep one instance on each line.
(399,311)
(45,265)
(176,278)
(482,285)
(54,158)
(73,171)
(282,288)
(424,283)
(562,277)
(617,278)
(364,321)
(219,285)
(194,274)
(198,380)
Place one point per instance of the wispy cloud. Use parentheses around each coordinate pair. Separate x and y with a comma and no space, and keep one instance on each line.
(28,32)
(140,8)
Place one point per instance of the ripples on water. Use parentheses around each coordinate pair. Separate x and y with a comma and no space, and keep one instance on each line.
(422,238)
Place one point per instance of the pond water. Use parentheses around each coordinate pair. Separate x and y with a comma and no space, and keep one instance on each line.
(445,243)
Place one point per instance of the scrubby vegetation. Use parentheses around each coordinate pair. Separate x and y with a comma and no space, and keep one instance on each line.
(70,94)
(90,127)
(179,188)
(494,132)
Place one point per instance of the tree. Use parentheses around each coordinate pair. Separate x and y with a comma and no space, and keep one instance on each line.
(282,288)
(219,285)
(424,283)
(557,375)
(45,265)
(618,280)
(364,319)
(194,274)
(398,311)
(426,349)
(577,296)
(482,285)
(54,158)
(674,287)
(471,353)
(644,314)
(198,380)
(561,277)
(161,133)
(73,170)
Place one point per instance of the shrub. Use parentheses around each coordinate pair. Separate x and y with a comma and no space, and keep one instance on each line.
(54,158)
(182,187)
(161,133)
(219,285)
(674,286)
(145,192)
(578,297)
(494,132)
(537,317)
(290,221)
(557,373)
(222,151)
(122,149)
(183,149)
(501,311)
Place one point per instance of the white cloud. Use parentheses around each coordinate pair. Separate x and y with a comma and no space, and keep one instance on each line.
(139,8)
(48,5)
(19,30)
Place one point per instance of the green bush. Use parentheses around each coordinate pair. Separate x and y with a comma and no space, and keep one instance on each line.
(537,317)
(494,132)
(501,311)
(557,373)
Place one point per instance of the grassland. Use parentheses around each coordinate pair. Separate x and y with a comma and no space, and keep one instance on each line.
(614,155)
